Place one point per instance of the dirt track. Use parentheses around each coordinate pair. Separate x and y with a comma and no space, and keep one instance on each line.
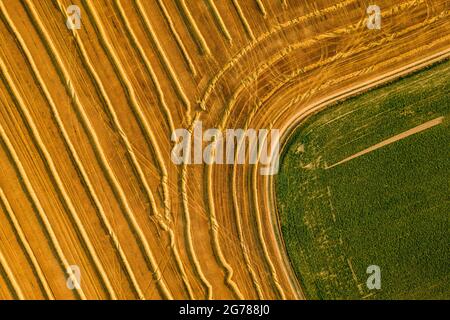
(86,119)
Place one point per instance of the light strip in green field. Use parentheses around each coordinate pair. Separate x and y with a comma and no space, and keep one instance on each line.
(419,128)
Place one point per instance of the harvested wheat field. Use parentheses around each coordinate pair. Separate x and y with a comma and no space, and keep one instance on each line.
(86,117)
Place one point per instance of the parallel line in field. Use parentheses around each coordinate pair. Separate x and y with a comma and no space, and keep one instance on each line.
(230,108)
(131,34)
(74,156)
(188,231)
(131,97)
(328,83)
(26,245)
(242,242)
(135,42)
(29,190)
(265,98)
(236,58)
(400,72)
(236,209)
(136,108)
(111,177)
(259,231)
(193,28)
(261,7)
(216,246)
(55,177)
(186,56)
(214,232)
(219,21)
(244,21)
(273,272)
(244,248)
(15,287)
(309,42)
(389,38)
(150,31)
(107,170)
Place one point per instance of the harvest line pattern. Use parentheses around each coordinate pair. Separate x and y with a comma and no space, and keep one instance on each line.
(172,232)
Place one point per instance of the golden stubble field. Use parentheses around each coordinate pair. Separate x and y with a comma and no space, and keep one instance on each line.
(86,118)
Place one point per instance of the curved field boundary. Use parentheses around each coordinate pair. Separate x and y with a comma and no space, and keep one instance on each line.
(323,103)
(265,66)
(255,41)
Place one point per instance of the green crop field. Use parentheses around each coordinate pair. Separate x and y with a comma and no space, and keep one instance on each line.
(388,205)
